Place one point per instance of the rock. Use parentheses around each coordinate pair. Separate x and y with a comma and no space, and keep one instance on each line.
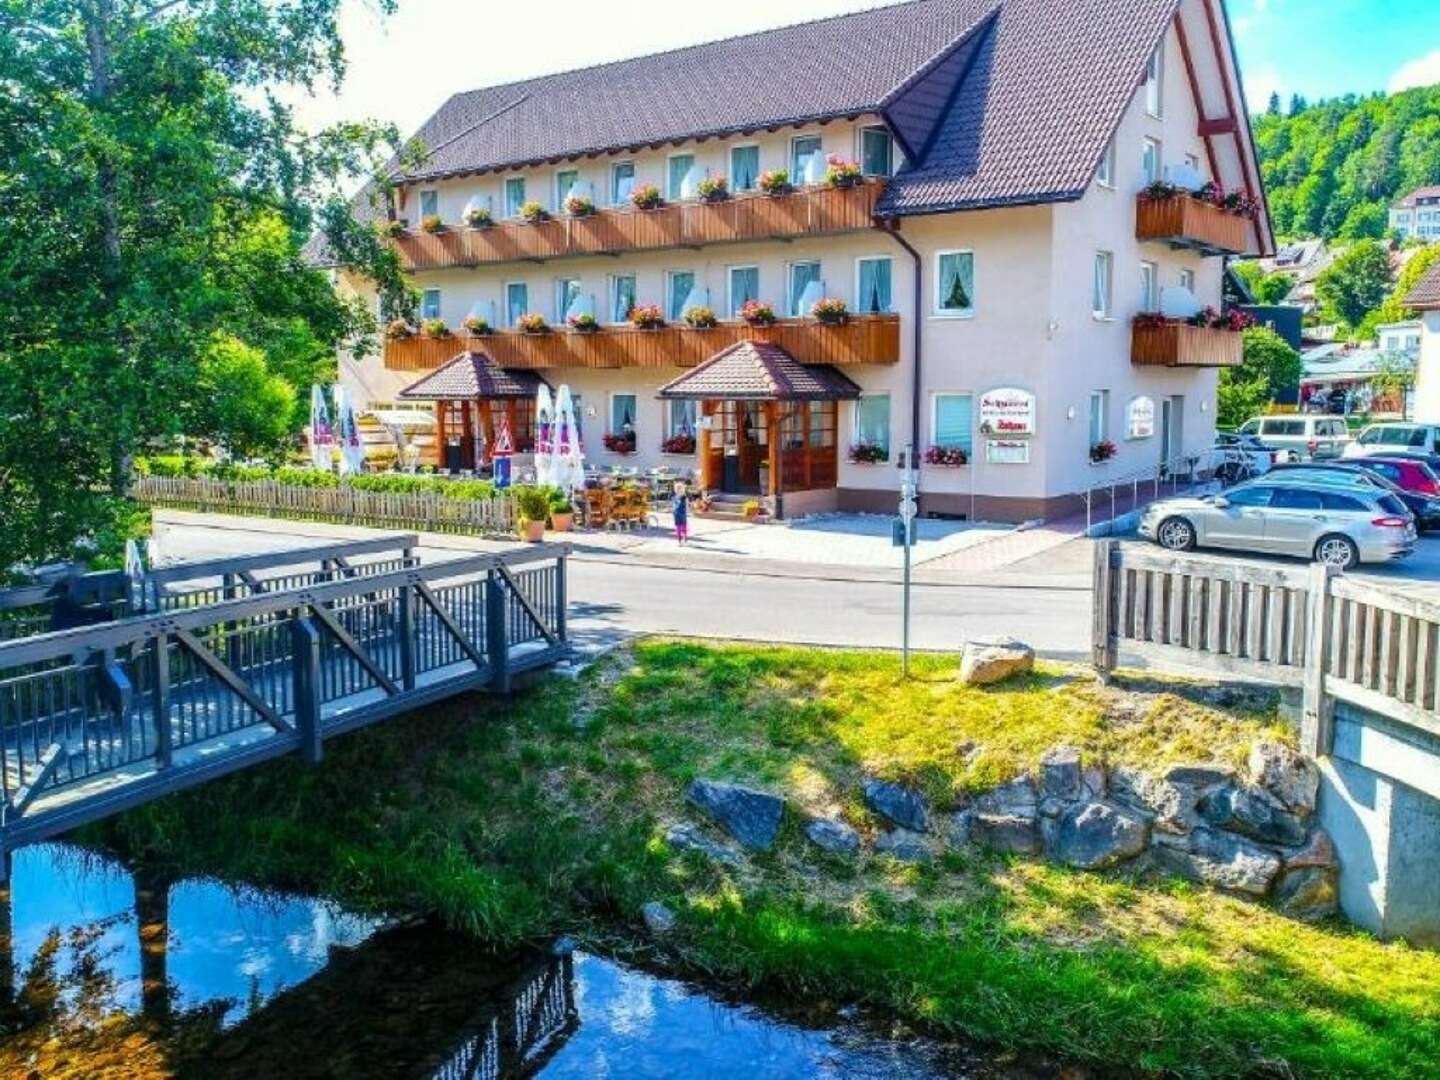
(1287,774)
(1016,797)
(904,845)
(659,919)
(1097,834)
(1093,777)
(1171,800)
(1060,773)
(1254,812)
(1309,893)
(1198,776)
(959,835)
(752,817)
(687,837)
(1222,859)
(987,660)
(833,836)
(1005,832)
(902,805)
(1051,807)
(1317,851)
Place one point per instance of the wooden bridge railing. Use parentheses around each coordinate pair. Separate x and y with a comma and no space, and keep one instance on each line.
(1336,638)
(96,719)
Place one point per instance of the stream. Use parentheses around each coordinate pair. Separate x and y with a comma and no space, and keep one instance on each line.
(107,972)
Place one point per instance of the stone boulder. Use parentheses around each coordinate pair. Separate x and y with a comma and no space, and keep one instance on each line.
(1318,850)
(986,660)
(1223,860)
(1061,774)
(1018,796)
(1171,800)
(1252,811)
(687,837)
(1308,893)
(1093,835)
(659,919)
(1286,774)
(833,836)
(902,805)
(752,817)
(904,845)
(1014,833)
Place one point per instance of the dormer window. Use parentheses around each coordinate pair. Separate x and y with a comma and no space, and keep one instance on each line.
(877,151)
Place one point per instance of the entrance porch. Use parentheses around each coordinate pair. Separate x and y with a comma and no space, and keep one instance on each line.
(473,397)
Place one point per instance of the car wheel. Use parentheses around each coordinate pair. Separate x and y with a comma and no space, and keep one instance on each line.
(1177,534)
(1337,551)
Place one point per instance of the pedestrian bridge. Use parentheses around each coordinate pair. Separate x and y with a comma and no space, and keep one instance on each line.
(97,719)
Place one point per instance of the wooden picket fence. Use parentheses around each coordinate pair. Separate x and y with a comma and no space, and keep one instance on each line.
(343,504)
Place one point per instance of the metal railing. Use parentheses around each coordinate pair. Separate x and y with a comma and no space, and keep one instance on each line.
(1115,496)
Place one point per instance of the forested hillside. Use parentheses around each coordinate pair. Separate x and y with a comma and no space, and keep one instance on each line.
(1332,169)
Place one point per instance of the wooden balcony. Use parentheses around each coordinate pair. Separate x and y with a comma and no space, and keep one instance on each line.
(864,339)
(806,212)
(1185,222)
(1178,344)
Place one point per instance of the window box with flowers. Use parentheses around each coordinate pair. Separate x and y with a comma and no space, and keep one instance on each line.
(395,228)
(398,330)
(868,453)
(1102,452)
(680,443)
(775,182)
(757,313)
(701,318)
(476,326)
(584,323)
(647,197)
(534,213)
(435,328)
(1210,219)
(579,206)
(432,224)
(841,173)
(622,442)
(1209,338)
(713,189)
(479,217)
(532,323)
(948,457)
(647,316)
(831,310)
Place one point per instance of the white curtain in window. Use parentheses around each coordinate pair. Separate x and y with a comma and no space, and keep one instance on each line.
(681,284)
(514,196)
(957,281)
(622,413)
(624,298)
(680,418)
(622,182)
(874,286)
(517,301)
(1101,298)
(872,420)
(952,421)
(567,292)
(804,286)
(807,163)
(680,167)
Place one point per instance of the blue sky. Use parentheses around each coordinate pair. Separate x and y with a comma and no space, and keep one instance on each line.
(1324,48)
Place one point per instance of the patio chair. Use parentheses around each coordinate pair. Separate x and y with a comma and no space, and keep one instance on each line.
(596,508)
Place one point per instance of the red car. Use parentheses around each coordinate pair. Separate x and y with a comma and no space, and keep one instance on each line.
(1406,473)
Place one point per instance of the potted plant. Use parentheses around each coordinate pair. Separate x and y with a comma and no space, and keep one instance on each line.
(435,328)
(620,442)
(751,508)
(432,224)
(842,173)
(947,456)
(830,310)
(1102,452)
(757,313)
(775,182)
(534,213)
(584,323)
(479,217)
(395,228)
(714,189)
(562,511)
(681,443)
(477,326)
(579,206)
(647,316)
(868,453)
(532,323)
(397,329)
(701,318)
(533,506)
(647,197)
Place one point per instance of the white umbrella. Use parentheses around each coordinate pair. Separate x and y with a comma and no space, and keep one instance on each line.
(347,431)
(569,469)
(544,435)
(322,436)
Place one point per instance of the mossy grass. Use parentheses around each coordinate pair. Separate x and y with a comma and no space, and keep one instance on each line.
(545,813)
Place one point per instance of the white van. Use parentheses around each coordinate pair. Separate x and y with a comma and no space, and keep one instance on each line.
(1312,438)
(1388,438)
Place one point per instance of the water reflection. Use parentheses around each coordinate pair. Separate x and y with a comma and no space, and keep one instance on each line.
(134,976)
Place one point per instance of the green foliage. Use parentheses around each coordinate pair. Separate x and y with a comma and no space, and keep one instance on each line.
(388,483)
(1266,288)
(1393,309)
(533,503)
(1269,369)
(241,404)
(1332,169)
(1356,283)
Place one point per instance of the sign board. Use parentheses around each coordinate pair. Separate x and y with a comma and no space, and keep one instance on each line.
(1140,418)
(1007,451)
(898,532)
(1007,410)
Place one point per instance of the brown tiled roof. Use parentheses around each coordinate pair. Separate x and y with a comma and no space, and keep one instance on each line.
(1425,295)
(472,375)
(760,371)
(1431,192)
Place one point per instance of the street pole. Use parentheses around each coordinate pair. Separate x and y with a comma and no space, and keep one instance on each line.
(907,516)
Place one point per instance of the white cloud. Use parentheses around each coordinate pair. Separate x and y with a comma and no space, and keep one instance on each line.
(1259,85)
(1424,71)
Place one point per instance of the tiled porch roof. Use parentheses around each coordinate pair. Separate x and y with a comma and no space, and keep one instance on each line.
(1425,295)
(472,375)
(760,371)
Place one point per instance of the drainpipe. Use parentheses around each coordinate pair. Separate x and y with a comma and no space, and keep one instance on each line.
(891,227)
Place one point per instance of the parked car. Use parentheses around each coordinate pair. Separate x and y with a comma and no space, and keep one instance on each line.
(1313,438)
(1342,524)
(1385,438)
(1410,473)
(1422,456)
(1363,471)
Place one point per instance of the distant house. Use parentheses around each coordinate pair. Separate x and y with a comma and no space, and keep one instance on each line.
(1400,337)
(1418,214)
(1425,298)
(1304,260)
(1341,379)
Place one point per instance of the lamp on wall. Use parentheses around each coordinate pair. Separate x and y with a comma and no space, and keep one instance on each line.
(1070,413)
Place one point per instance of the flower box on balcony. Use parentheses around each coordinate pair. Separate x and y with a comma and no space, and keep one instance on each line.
(863,453)
(949,457)
(620,443)
(678,444)
(1158,342)
(1185,221)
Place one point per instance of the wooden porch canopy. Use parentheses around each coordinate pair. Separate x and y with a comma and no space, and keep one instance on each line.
(472,375)
(759,371)
(472,394)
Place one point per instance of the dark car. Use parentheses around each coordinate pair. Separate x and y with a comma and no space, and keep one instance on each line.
(1412,475)
(1423,457)
(1425,508)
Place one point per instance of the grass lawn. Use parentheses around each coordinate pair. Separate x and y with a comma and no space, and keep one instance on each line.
(543,814)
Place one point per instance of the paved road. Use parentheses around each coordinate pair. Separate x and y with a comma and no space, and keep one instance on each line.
(612,597)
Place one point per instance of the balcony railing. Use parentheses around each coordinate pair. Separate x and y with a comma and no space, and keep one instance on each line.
(864,339)
(749,216)
(1186,222)
(1178,344)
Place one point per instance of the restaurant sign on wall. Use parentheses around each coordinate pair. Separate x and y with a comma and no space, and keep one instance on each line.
(1007,411)
(1140,418)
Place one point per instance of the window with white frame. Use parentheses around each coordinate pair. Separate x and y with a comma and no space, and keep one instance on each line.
(1150,167)
(872,421)
(1104,278)
(622,414)
(744,286)
(872,285)
(807,162)
(678,285)
(1149,287)
(1105,171)
(429,204)
(805,287)
(622,297)
(955,283)
(1192,162)
(1187,280)
(1155,81)
(430,304)
(679,418)
(622,182)
(677,171)
(1099,415)
(567,292)
(744,168)
(517,301)
(565,181)
(514,195)
(951,422)
(877,151)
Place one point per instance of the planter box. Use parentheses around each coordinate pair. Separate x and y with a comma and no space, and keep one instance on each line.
(1186,222)
(1181,345)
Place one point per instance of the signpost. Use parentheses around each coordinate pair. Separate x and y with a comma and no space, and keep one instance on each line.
(907,517)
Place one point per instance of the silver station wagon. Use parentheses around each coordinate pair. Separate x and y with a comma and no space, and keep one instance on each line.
(1339,524)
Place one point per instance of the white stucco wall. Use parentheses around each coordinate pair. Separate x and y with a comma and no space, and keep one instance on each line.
(1427,375)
